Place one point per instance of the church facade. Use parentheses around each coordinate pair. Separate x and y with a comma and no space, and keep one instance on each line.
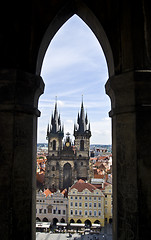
(67,162)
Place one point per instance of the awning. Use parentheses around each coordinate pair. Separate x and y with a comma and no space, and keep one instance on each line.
(77,224)
(43,225)
(61,224)
(96,225)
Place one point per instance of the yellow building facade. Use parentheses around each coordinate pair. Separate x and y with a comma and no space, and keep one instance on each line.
(108,203)
(85,204)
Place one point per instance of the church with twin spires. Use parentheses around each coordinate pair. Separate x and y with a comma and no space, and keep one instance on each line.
(67,162)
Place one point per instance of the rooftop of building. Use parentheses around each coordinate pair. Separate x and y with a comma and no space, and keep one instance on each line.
(80,185)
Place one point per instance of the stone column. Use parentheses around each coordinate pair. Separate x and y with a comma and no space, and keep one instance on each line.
(131,137)
(19,93)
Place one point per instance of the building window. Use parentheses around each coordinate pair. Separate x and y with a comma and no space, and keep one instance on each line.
(54,211)
(53,168)
(80,212)
(99,198)
(99,213)
(57,166)
(90,198)
(90,213)
(71,197)
(85,198)
(64,212)
(76,212)
(76,204)
(90,205)
(94,213)
(85,213)
(81,163)
(76,198)
(54,145)
(44,211)
(82,145)
(105,202)
(105,195)
(49,210)
(105,210)
(86,204)
(71,204)
(80,204)
(80,198)
(99,205)
(59,211)
(40,210)
(71,212)
(94,204)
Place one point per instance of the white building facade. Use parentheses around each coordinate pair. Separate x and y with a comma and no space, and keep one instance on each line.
(53,208)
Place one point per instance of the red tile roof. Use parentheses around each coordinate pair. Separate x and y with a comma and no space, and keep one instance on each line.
(47,192)
(65,192)
(40,177)
(80,185)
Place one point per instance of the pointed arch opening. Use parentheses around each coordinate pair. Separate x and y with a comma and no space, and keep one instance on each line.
(81,10)
(101,36)
(82,145)
(54,145)
(67,175)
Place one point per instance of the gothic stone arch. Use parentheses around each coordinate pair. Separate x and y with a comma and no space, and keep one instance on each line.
(127,27)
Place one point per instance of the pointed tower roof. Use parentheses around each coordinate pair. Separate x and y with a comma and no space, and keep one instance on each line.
(55,125)
(82,122)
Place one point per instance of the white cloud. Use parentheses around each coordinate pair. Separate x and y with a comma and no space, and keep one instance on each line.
(101,131)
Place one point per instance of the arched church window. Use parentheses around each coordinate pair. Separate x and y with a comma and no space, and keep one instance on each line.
(53,168)
(75,165)
(57,166)
(82,145)
(54,145)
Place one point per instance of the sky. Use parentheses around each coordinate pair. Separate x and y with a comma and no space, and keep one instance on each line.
(75,65)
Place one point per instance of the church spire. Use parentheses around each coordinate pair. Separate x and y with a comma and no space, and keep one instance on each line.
(82,121)
(55,125)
